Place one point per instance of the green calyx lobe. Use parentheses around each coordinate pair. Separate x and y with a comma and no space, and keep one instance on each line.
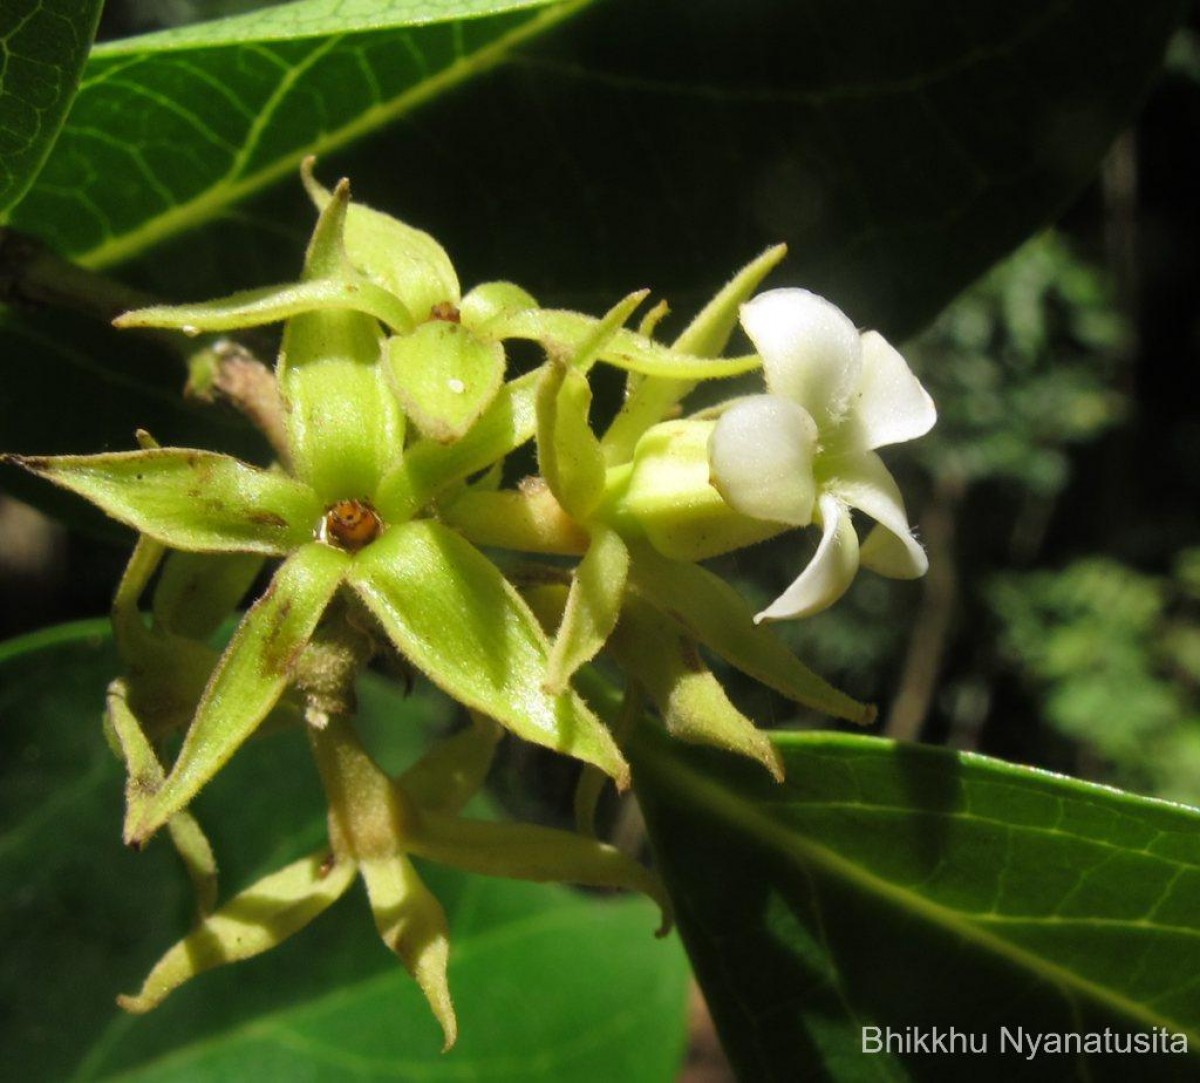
(444,376)
(344,426)
(406,262)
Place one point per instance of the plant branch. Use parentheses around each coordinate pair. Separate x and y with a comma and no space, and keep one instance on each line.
(927,645)
(33,275)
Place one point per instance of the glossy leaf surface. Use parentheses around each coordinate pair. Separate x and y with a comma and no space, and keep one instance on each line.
(44,44)
(549,985)
(901,886)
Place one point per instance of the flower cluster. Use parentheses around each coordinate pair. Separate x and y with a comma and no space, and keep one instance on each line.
(392,412)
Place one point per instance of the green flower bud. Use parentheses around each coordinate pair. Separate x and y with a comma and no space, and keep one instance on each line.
(666,495)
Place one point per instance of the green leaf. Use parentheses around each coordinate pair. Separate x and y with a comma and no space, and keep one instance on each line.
(191,500)
(231,114)
(549,985)
(1011,896)
(248,681)
(43,46)
(458,620)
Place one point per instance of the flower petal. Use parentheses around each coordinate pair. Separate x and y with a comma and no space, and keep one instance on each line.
(865,483)
(761,459)
(891,405)
(810,350)
(828,574)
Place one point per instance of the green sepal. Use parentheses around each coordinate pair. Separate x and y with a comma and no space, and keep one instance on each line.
(406,261)
(165,673)
(274,304)
(192,500)
(254,921)
(562,333)
(666,495)
(444,377)
(647,403)
(344,426)
(709,331)
(491,299)
(429,467)
(448,609)
(568,452)
(593,606)
(413,924)
(196,592)
(531,852)
(146,773)
(446,777)
(711,611)
(690,700)
(248,681)
(528,519)
(591,782)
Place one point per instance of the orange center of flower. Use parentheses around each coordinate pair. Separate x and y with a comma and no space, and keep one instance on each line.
(351,524)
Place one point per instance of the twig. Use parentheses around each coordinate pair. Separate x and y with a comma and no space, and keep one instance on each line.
(927,645)
(32,275)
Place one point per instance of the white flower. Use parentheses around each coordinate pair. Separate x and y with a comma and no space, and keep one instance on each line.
(805,452)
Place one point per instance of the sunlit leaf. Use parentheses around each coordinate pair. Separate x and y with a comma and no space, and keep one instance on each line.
(1012,897)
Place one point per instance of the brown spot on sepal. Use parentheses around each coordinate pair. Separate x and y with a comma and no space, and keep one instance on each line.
(689,654)
(446,311)
(268,518)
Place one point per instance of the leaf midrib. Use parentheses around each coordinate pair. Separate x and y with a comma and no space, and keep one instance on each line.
(227,191)
(699,790)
